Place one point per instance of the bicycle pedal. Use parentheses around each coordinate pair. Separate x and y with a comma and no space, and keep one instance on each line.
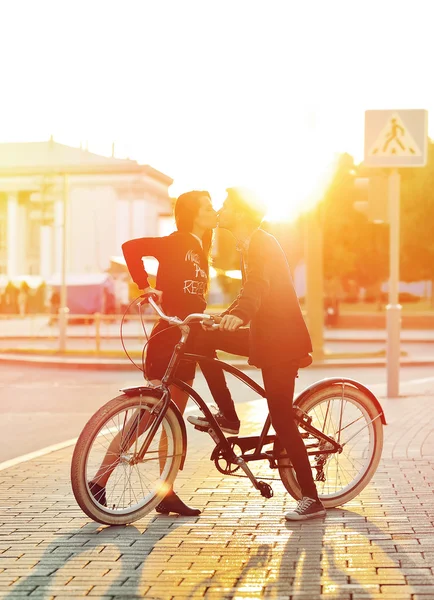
(265,489)
(203,428)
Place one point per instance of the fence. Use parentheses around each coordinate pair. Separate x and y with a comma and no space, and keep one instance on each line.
(97,333)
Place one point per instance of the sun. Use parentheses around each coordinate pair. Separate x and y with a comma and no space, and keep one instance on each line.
(288,185)
(304,189)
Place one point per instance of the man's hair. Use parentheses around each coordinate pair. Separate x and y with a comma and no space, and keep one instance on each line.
(245,201)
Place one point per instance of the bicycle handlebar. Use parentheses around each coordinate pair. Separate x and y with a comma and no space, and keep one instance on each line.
(201,317)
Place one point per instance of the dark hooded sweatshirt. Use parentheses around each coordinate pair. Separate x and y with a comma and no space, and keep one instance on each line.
(182,274)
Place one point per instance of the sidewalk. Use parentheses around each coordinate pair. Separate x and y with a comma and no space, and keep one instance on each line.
(379,546)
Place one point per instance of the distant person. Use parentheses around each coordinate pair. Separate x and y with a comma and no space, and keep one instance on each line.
(109,302)
(39,304)
(11,298)
(23,298)
(54,307)
(123,294)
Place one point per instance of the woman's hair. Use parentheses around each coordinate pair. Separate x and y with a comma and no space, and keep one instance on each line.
(186,208)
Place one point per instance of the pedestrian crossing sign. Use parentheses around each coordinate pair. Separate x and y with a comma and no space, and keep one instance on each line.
(396,138)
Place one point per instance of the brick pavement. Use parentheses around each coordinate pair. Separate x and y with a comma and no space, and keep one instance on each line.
(381,545)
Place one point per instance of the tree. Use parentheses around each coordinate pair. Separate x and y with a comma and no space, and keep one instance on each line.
(417,220)
(354,248)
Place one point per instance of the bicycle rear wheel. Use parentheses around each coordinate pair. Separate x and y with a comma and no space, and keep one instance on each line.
(107,453)
(350,417)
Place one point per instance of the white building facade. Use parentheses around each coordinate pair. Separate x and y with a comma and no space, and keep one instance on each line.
(108,201)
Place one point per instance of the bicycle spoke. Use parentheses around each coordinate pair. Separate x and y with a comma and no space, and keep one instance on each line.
(352,423)
(340,421)
(340,417)
(364,427)
(113,458)
(140,479)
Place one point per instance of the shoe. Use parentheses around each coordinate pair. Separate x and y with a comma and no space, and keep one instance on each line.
(172,503)
(307,508)
(98,492)
(225,424)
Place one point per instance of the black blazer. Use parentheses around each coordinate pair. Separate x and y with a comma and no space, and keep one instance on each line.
(269,303)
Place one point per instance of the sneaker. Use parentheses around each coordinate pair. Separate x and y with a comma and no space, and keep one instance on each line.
(307,508)
(232,427)
(98,492)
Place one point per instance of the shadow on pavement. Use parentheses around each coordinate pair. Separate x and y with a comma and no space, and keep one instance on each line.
(307,562)
(113,537)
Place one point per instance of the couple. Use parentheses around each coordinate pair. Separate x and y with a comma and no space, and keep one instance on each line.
(275,341)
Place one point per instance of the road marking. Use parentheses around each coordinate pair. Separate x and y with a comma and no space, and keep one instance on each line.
(25,457)
(49,449)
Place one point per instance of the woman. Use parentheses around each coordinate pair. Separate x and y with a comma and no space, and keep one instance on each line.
(182,281)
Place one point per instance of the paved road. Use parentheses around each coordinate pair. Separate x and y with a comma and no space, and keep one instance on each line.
(378,547)
(42,407)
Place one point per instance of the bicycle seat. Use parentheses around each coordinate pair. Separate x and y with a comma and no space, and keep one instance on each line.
(305,361)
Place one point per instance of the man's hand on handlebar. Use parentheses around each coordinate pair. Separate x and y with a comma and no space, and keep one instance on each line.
(230,323)
(226,323)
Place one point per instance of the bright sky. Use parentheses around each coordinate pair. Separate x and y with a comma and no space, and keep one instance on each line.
(230,92)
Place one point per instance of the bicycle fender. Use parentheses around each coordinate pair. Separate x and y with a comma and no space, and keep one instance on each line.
(324,383)
(142,390)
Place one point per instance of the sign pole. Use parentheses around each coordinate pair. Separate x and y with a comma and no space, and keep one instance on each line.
(315,283)
(393,309)
(394,139)
(63,309)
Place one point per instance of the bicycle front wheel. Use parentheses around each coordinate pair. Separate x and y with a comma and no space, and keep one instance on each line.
(350,417)
(107,453)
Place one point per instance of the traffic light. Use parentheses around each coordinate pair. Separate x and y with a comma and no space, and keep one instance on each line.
(372,197)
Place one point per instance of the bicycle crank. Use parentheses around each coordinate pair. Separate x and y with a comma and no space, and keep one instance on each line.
(222,462)
(226,466)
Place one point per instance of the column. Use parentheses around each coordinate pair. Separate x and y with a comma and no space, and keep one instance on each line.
(58,236)
(12,236)
(45,264)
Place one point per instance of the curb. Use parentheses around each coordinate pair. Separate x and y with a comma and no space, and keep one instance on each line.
(124,365)
(332,339)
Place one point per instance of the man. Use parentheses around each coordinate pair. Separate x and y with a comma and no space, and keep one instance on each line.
(275,341)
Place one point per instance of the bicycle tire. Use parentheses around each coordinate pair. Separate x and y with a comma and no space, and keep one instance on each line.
(84,444)
(357,397)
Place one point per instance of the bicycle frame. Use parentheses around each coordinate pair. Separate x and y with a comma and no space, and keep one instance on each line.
(254,443)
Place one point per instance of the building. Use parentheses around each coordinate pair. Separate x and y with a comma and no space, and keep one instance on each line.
(108,200)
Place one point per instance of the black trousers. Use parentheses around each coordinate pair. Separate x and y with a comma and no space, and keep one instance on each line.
(279,384)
